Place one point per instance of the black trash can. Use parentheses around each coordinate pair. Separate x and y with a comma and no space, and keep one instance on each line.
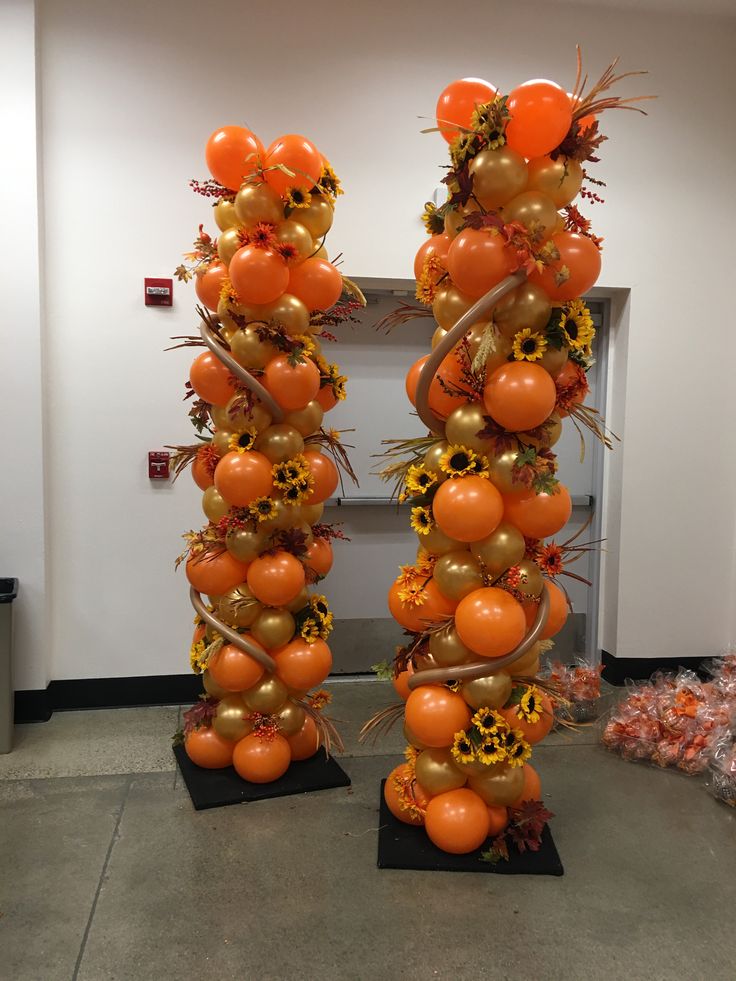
(8,592)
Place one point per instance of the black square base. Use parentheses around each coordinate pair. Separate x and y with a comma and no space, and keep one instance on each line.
(403,846)
(217,788)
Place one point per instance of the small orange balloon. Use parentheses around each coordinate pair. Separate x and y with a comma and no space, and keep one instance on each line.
(202,471)
(401,682)
(538,515)
(208,284)
(301,666)
(467,508)
(232,154)
(558,611)
(276,579)
(534,732)
(242,477)
(434,714)
(319,556)
(520,396)
(292,385)
(208,749)
(478,261)
(532,786)
(233,669)
(326,477)
(449,374)
(540,116)
(458,101)
(215,573)
(305,743)
(258,275)
(211,380)
(499,819)
(583,260)
(327,398)
(394,802)
(412,379)
(457,821)
(316,282)
(297,154)
(490,621)
(416,616)
(260,760)
(436,246)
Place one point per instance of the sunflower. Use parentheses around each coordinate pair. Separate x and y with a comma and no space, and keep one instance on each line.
(196,660)
(319,606)
(263,509)
(290,472)
(491,750)
(298,491)
(577,326)
(486,721)
(309,630)
(325,627)
(462,748)
(419,479)
(240,442)
(297,197)
(530,706)
(517,748)
(421,520)
(529,346)
(306,342)
(459,461)
(329,183)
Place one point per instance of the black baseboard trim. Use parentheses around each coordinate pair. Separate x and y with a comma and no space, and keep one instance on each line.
(616,670)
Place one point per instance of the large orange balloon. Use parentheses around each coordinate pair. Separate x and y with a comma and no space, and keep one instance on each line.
(215,573)
(558,611)
(412,379)
(232,154)
(490,621)
(208,749)
(457,821)
(541,115)
(208,284)
(316,282)
(538,515)
(276,579)
(582,259)
(457,102)
(211,380)
(292,385)
(478,261)
(233,669)
(435,245)
(434,714)
(261,760)
(417,617)
(301,666)
(520,396)
(326,477)
(297,154)
(534,732)
(449,373)
(319,556)
(305,743)
(258,275)
(242,477)
(393,801)
(467,508)
(201,473)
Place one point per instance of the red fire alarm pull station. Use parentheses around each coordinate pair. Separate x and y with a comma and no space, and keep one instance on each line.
(159,464)
(158,292)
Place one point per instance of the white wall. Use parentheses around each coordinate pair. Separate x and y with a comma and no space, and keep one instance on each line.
(129,94)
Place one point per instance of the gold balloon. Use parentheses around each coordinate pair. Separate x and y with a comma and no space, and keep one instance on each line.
(554,361)
(311,514)
(533,210)
(228,331)
(290,718)
(449,305)
(526,306)
(321,253)
(499,785)
(230,722)
(228,244)
(501,549)
(212,688)
(457,574)
(498,176)
(245,545)
(239,417)
(258,202)
(214,504)
(534,582)
(412,739)
(220,417)
(283,518)
(227,310)
(437,773)
(501,354)
(221,441)
(463,425)
(292,232)
(559,179)
(454,218)
(239,607)
(273,628)
(290,312)
(528,663)
(299,601)
(307,420)
(437,336)
(317,218)
(501,468)
(303,527)
(474,337)
(280,443)
(225,215)
(447,649)
(266,695)
(471,769)
(249,350)
(491,692)
(553,433)
(530,669)
(436,542)
(432,458)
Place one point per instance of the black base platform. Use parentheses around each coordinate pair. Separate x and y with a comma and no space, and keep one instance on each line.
(403,846)
(217,788)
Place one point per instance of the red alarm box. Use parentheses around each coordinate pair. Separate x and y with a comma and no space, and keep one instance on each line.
(159,464)
(158,292)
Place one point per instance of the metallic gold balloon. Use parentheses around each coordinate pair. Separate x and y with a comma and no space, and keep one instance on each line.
(436,542)
(526,306)
(471,769)
(227,310)
(267,695)
(225,215)
(228,244)
(454,218)
(307,420)
(239,417)
(231,720)
(437,336)
(528,664)
(412,739)
(449,305)
(559,179)
(299,601)
(290,718)
(290,312)
(249,350)
(437,773)
(533,210)
(291,232)
(502,467)
(220,417)
(559,224)
(553,432)
(221,441)
(447,649)
(534,582)
(501,549)
(432,458)
(212,688)
(280,443)
(284,518)
(228,331)
(463,425)
(501,354)
(500,784)
(317,218)
(311,513)
(491,692)
(554,361)
(245,545)
(258,202)
(321,253)
(498,176)
(239,607)
(214,504)
(273,628)
(457,573)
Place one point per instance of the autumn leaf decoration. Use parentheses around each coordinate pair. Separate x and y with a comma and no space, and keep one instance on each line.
(524,831)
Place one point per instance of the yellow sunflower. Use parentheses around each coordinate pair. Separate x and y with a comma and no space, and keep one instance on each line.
(529,346)
(309,630)
(462,748)
(487,721)
(196,660)
(421,520)
(577,326)
(297,197)
(298,491)
(419,479)
(460,461)
(530,706)
(240,442)
(263,509)
(517,748)
(290,471)
(491,750)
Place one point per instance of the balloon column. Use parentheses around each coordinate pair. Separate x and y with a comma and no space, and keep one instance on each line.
(264,462)
(503,271)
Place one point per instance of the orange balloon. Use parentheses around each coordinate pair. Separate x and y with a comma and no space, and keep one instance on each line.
(232,154)
(450,372)
(437,246)
(258,275)
(393,801)
(457,103)
(276,579)
(540,116)
(297,154)
(558,611)
(490,621)
(532,786)
(499,819)
(519,395)
(211,380)
(587,121)
(319,556)
(582,259)
(242,477)
(215,573)
(417,617)
(304,743)
(538,515)
(301,666)
(260,760)
(534,732)
(467,508)
(478,261)
(434,714)
(316,282)
(292,385)
(327,398)
(401,682)
(569,375)
(412,379)
(208,284)
(326,477)
(233,669)
(202,472)
(208,749)
(457,821)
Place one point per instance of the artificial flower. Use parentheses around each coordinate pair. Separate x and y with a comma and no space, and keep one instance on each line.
(529,346)
(577,326)
(263,509)
(487,721)
(421,520)
(517,748)
(491,750)
(297,197)
(241,442)
(459,461)
(462,748)
(419,479)
(530,706)
(309,630)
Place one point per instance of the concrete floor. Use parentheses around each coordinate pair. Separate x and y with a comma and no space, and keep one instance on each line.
(109,873)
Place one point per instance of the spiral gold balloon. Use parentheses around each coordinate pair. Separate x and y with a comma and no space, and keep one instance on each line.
(246,644)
